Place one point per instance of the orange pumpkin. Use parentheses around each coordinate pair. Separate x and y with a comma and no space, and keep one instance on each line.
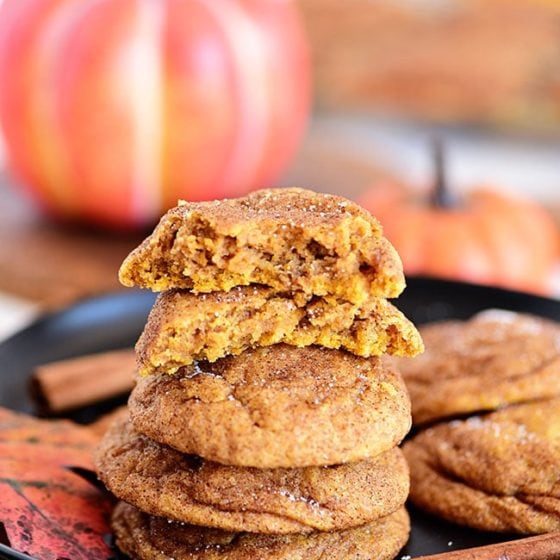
(487,238)
(114,109)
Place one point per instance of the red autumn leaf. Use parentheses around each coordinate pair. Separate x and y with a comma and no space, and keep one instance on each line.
(48,511)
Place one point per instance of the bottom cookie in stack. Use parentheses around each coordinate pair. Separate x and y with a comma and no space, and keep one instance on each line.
(313,403)
(154,538)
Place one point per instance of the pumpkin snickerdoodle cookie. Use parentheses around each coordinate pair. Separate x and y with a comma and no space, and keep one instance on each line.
(277,406)
(494,359)
(153,538)
(292,240)
(184,327)
(161,481)
(498,472)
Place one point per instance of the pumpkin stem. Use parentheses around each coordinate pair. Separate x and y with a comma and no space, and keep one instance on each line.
(441,197)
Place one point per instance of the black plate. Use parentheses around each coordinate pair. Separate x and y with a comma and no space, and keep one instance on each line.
(115,321)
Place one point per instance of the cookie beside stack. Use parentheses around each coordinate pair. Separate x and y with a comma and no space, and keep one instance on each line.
(498,468)
(265,423)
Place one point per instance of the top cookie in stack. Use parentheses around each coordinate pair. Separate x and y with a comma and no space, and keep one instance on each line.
(280,265)
(293,240)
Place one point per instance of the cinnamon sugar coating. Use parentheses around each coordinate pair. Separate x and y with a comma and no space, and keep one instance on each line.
(277,406)
(184,327)
(292,240)
(494,359)
(152,538)
(498,472)
(161,481)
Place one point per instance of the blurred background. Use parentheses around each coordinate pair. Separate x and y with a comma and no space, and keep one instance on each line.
(442,117)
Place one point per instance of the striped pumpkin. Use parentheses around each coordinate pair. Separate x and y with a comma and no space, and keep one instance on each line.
(114,109)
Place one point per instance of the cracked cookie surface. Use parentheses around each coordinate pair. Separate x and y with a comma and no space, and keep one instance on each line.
(494,359)
(498,472)
(292,240)
(184,327)
(152,538)
(277,406)
(164,482)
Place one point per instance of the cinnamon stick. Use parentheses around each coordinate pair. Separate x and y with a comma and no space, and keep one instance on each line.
(541,547)
(68,384)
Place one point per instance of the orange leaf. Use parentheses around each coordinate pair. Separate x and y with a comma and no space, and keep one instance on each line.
(48,511)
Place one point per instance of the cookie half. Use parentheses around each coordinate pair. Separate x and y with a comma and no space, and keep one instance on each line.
(292,240)
(184,327)
(494,359)
(154,538)
(277,406)
(164,482)
(498,472)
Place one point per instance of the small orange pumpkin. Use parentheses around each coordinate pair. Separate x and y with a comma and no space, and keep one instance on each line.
(488,238)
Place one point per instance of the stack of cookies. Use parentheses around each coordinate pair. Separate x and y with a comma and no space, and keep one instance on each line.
(265,422)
